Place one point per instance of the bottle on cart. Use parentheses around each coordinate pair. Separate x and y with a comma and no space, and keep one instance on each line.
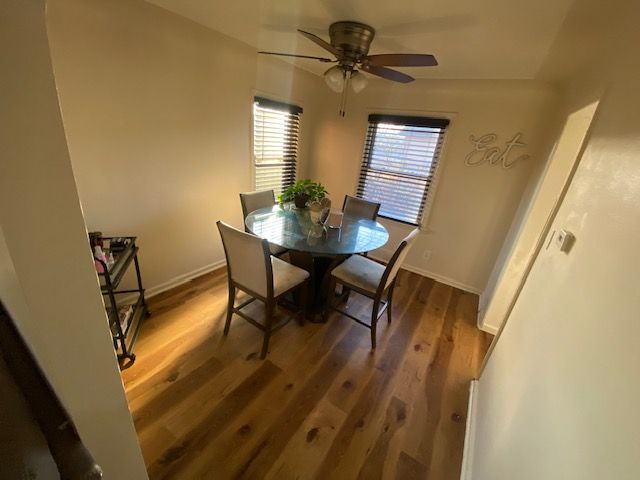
(98,254)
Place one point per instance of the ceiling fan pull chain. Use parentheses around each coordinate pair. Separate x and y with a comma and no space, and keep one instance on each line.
(345,91)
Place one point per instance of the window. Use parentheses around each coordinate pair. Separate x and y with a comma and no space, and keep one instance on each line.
(275,144)
(399,162)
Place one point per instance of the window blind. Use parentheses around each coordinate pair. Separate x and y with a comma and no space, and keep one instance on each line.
(399,162)
(276,127)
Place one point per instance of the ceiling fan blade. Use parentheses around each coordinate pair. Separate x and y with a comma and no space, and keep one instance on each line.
(387,73)
(403,60)
(318,41)
(322,59)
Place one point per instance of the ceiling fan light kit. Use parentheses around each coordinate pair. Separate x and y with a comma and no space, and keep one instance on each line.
(358,81)
(334,78)
(350,42)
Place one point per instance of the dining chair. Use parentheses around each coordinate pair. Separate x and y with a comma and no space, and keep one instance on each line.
(253,270)
(358,207)
(251,201)
(371,279)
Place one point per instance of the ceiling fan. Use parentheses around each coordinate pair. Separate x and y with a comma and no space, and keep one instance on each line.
(350,42)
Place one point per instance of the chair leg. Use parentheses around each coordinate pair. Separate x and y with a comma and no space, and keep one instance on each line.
(374,322)
(267,333)
(346,293)
(304,295)
(232,299)
(390,303)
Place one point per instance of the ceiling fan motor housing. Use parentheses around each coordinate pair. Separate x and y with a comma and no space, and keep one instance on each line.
(352,38)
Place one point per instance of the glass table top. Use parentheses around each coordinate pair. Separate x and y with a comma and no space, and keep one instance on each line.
(294,230)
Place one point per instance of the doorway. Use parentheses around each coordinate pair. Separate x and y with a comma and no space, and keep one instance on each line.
(533,225)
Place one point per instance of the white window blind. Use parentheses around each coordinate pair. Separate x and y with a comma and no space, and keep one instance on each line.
(399,162)
(276,127)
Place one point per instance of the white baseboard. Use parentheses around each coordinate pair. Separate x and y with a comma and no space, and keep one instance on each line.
(469,434)
(426,273)
(175,281)
(185,277)
(487,328)
(482,315)
(442,279)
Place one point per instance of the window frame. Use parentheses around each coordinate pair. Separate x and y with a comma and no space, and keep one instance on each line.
(288,102)
(430,193)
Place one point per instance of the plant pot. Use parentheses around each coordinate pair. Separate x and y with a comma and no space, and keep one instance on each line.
(301,200)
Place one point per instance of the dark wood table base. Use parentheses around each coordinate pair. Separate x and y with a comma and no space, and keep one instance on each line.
(319,267)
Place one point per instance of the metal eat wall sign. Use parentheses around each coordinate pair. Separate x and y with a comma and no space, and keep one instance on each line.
(486,151)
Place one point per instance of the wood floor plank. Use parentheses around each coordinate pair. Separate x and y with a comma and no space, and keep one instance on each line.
(363,415)
(322,405)
(238,399)
(410,469)
(454,394)
(435,389)
(353,378)
(286,424)
(309,444)
(175,393)
(227,454)
(170,367)
(412,381)
(373,465)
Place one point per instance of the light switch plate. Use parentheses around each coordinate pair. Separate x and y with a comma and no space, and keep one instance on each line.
(565,240)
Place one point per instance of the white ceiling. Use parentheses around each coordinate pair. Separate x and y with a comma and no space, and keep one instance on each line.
(471,39)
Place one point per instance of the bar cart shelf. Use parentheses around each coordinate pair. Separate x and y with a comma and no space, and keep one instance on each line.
(129,303)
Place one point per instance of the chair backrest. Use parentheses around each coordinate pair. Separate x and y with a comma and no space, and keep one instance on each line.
(248,260)
(358,207)
(397,259)
(254,200)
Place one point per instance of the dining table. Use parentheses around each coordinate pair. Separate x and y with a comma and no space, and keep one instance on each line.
(315,247)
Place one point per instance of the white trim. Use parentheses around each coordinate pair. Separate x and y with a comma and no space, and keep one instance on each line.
(481,323)
(185,277)
(426,273)
(176,281)
(442,279)
(492,329)
(470,433)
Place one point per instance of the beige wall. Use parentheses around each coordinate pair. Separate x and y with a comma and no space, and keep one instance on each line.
(473,206)
(47,277)
(157,111)
(160,142)
(558,397)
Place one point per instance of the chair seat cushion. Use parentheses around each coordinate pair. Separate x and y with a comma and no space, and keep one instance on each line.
(360,272)
(286,276)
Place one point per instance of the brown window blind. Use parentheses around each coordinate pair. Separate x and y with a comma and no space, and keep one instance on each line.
(399,162)
(276,127)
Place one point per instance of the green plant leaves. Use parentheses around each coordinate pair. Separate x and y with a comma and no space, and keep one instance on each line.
(313,190)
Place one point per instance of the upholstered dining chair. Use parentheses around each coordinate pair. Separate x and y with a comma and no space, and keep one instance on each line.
(372,280)
(358,207)
(251,201)
(253,270)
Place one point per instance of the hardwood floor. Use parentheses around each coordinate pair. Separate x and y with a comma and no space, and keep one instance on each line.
(321,406)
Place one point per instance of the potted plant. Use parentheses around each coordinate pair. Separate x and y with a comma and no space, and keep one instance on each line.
(303,191)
